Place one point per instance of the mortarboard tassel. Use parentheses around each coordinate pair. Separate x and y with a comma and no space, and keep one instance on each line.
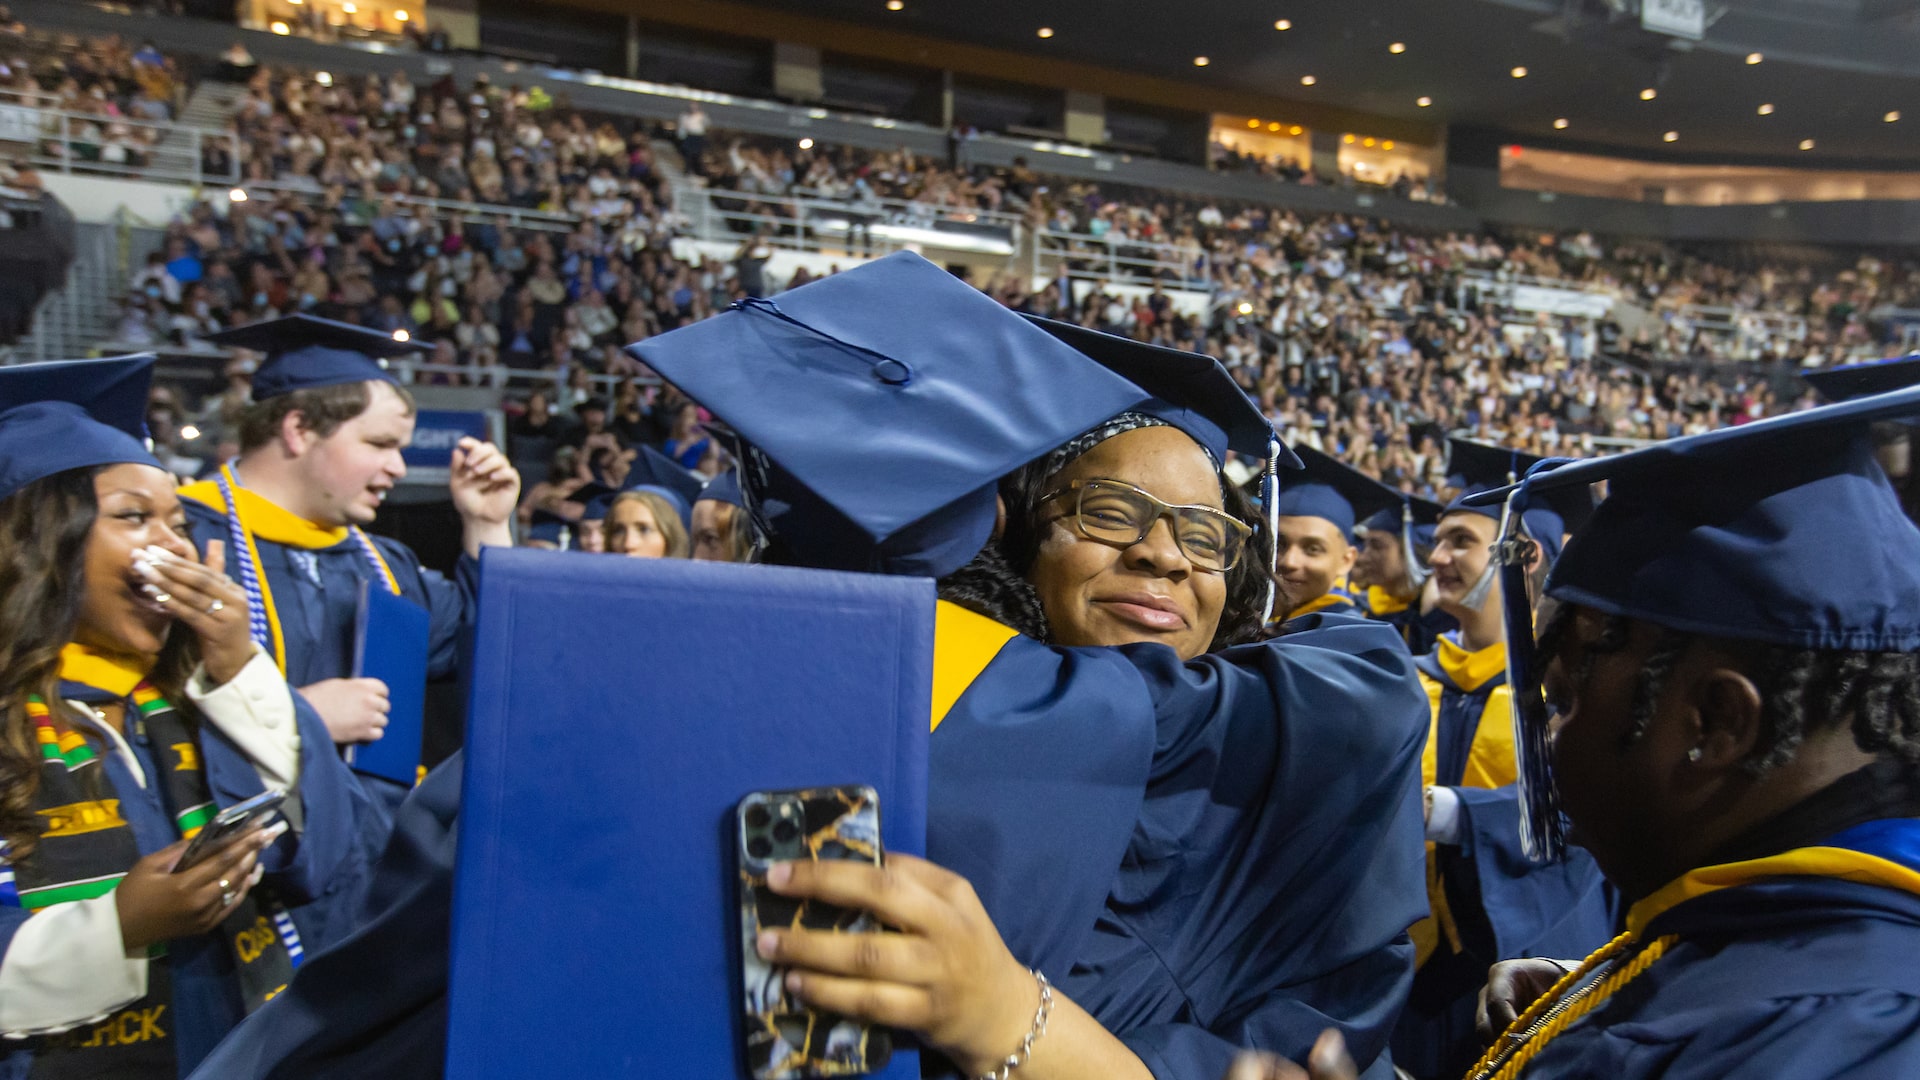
(1270,499)
(1417,571)
(1543,834)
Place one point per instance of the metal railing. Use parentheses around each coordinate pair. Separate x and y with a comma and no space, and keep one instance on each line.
(518,217)
(66,141)
(871,226)
(1104,258)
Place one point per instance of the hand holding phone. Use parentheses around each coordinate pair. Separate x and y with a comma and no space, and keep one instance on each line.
(229,823)
(786,1040)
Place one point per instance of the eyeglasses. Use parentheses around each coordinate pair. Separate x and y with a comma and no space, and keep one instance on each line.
(1115,513)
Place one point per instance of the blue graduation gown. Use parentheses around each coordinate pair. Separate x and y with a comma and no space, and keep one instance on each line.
(1165,840)
(1419,630)
(316,595)
(1491,899)
(1261,806)
(340,830)
(1797,977)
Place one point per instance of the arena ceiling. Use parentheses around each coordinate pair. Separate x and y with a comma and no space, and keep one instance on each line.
(1839,79)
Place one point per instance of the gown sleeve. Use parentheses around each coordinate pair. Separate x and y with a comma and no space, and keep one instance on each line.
(1562,909)
(1279,858)
(64,966)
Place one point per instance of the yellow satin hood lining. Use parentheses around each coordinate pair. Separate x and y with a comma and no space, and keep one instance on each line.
(1470,670)
(964,643)
(266,519)
(1800,862)
(115,673)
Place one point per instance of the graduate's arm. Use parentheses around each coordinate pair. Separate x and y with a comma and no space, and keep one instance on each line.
(945,975)
(255,710)
(1560,907)
(65,965)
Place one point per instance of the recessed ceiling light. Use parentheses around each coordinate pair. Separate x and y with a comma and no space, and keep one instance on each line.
(1201,61)
(1560,124)
(1766,110)
(1253,123)
(895,5)
(1754,58)
(1350,140)
(1283,24)
(400,15)
(1045,31)
(1648,94)
(806,144)
(1671,136)
(1308,80)
(1295,129)
(1518,73)
(1397,48)
(1892,117)
(1367,142)
(1423,101)
(1388,145)
(1274,127)
(1806,144)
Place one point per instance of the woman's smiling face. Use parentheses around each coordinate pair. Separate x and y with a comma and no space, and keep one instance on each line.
(1098,593)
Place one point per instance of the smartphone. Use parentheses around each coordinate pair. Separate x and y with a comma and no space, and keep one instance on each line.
(785,1040)
(228,823)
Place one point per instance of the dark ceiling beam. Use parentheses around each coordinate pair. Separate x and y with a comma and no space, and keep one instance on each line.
(1872,11)
(901,47)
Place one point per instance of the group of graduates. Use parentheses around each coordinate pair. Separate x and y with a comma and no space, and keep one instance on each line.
(1220,781)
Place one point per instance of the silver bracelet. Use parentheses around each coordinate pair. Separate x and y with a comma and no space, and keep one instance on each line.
(1025,1053)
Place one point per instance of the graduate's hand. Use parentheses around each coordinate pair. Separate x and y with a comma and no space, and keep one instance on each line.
(354,710)
(155,904)
(1512,985)
(201,597)
(945,974)
(484,485)
(1327,1060)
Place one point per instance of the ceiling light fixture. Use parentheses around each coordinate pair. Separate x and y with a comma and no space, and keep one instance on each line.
(1201,61)
(1283,24)
(1350,140)
(1423,101)
(1388,145)
(1671,136)
(1253,123)
(1046,31)
(1397,48)
(280,28)
(1518,73)
(1560,124)
(1648,94)
(1766,109)
(1274,127)
(1891,118)
(400,14)
(1367,142)
(1806,144)
(895,5)
(1754,58)
(1295,130)
(1308,80)
(806,144)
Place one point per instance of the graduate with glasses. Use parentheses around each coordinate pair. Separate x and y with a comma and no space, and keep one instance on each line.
(1725,711)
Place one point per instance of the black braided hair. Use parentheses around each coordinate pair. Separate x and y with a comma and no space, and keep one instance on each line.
(988,585)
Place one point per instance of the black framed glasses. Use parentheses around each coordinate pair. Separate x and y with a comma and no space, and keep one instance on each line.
(1115,513)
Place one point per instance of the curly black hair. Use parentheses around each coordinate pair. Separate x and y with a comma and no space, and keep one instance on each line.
(1802,690)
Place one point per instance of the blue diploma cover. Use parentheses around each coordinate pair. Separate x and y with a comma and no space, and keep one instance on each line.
(390,643)
(619,710)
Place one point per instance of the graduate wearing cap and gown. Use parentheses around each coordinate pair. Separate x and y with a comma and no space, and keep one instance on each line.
(718,531)
(1739,746)
(292,510)
(1395,542)
(1187,819)
(124,771)
(1166,840)
(1315,520)
(1488,901)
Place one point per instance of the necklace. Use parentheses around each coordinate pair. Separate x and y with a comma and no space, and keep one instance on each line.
(1577,993)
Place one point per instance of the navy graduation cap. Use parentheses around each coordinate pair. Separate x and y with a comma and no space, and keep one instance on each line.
(876,410)
(1872,377)
(1191,391)
(72,414)
(305,352)
(1784,531)
(1334,491)
(1476,467)
(653,469)
(724,488)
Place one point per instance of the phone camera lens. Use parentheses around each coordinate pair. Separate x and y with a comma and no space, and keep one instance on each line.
(784,831)
(757,816)
(759,847)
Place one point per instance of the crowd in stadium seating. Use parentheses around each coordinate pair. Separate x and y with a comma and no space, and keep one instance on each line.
(113,91)
(1351,334)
